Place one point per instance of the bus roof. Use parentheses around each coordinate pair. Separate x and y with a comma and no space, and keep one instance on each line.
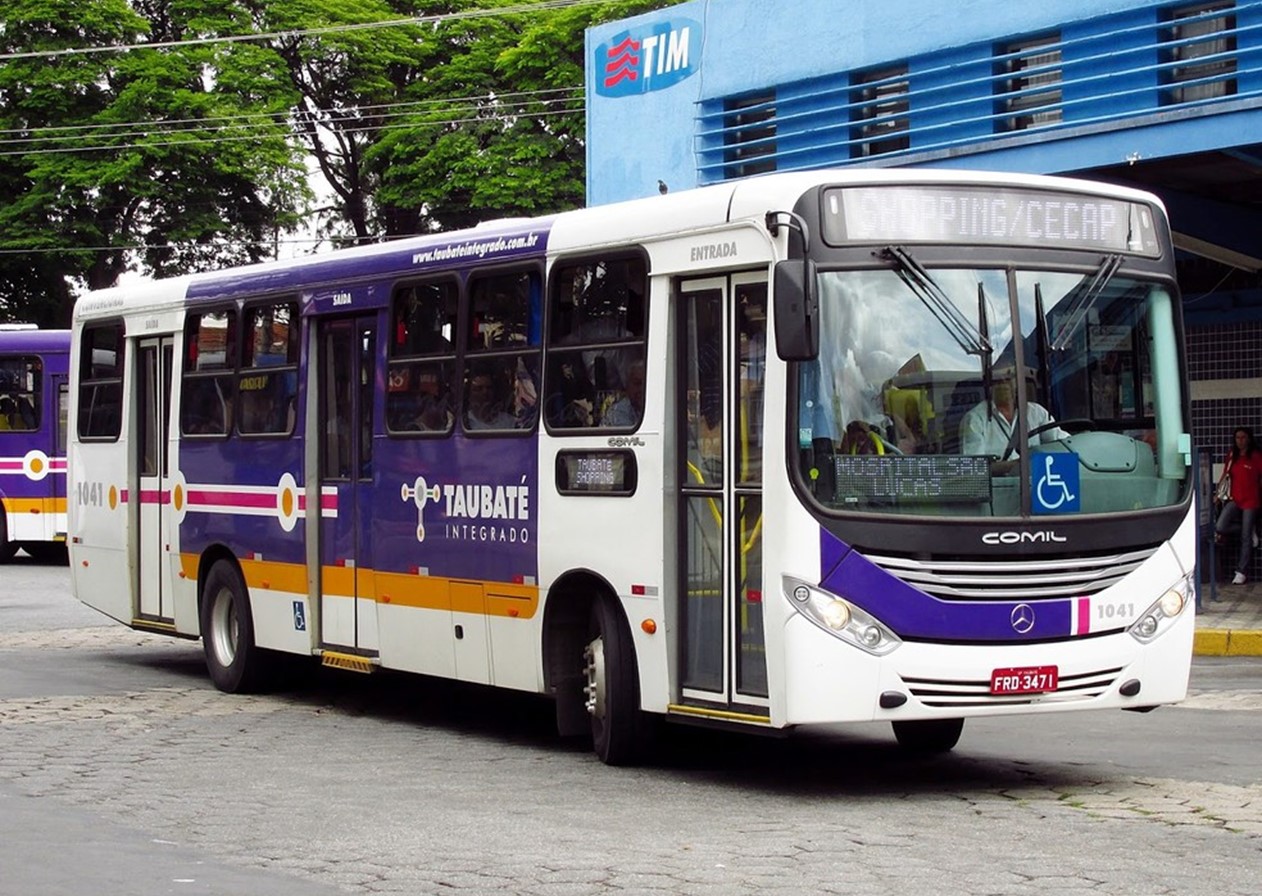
(655,217)
(34,340)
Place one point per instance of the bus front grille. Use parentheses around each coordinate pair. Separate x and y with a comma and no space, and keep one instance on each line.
(945,693)
(1038,578)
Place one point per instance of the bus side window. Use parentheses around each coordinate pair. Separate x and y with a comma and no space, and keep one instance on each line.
(268,382)
(21,378)
(101,381)
(502,353)
(421,359)
(208,392)
(597,354)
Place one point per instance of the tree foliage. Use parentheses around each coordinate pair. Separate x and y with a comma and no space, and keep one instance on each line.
(190,153)
(178,157)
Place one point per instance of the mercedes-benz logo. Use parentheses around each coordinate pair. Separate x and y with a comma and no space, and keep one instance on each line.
(1022,618)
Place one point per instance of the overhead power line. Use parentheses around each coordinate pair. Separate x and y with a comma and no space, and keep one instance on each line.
(258,119)
(192,137)
(306,32)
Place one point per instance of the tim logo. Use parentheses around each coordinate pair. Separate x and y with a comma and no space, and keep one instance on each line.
(652,58)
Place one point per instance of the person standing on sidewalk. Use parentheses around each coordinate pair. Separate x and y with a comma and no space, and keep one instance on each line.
(1240,514)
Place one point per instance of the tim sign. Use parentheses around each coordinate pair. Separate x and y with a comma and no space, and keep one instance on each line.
(653,57)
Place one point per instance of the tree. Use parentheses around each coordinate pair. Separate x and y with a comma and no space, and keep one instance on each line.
(500,123)
(176,157)
(467,110)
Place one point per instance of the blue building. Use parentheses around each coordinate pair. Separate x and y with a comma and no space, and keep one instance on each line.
(1166,96)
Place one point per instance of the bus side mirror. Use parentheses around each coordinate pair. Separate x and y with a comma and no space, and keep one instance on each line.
(797,310)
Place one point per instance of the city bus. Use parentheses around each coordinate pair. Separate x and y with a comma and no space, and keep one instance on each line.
(706,457)
(34,379)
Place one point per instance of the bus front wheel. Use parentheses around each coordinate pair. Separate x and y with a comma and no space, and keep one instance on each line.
(927,736)
(232,658)
(611,688)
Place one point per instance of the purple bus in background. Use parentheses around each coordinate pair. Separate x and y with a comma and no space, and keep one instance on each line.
(34,367)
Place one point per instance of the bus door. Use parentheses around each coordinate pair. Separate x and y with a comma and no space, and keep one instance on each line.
(60,388)
(721,328)
(153,415)
(346,386)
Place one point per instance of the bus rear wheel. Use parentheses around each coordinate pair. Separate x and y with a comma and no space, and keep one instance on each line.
(234,662)
(46,551)
(7,548)
(611,688)
(927,736)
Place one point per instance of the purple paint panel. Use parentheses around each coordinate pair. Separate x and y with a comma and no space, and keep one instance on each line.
(442,252)
(915,615)
(458,507)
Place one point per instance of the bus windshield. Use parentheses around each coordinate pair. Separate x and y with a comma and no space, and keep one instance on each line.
(945,391)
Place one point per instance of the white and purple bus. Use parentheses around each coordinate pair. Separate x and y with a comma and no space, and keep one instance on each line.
(34,380)
(558,456)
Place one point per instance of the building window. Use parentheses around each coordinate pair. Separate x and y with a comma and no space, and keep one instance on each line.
(1027,83)
(749,135)
(878,112)
(1200,39)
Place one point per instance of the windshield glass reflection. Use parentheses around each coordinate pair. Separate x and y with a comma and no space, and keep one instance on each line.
(934,391)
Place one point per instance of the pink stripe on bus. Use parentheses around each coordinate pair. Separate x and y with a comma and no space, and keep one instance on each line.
(1084,615)
(231,499)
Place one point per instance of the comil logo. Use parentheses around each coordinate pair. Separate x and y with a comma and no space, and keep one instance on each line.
(651,58)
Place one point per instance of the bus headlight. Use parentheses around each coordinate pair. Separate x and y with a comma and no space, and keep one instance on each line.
(840,618)
(1161,615)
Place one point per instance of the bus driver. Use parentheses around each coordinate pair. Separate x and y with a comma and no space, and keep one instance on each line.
(987,428)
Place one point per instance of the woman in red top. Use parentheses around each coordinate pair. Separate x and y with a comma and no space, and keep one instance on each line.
(1240,514)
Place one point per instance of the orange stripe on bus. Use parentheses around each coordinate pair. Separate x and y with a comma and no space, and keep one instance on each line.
(35,505)
(396,589)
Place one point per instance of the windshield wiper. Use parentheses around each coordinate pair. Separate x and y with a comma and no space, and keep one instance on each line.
(925,288)
(1085,300)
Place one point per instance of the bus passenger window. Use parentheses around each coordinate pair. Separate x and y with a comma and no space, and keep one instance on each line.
(209,389)
(267,384)
(421,366)
(21,378)
(597,363)
(501,391)
(101,381)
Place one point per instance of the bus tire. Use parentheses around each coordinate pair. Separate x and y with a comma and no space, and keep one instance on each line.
(612,688)
(928,736)
(46,551)
(233,660)
(7,548)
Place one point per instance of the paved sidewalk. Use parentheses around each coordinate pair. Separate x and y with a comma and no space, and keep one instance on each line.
(1232,624)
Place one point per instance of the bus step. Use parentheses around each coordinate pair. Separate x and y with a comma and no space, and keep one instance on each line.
(348,662)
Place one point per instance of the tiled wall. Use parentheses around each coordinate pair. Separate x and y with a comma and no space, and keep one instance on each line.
(1226,352)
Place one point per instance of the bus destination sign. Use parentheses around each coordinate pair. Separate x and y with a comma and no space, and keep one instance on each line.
(907,478)
(936,213)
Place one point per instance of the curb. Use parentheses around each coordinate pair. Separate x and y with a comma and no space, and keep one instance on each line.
(1225,642)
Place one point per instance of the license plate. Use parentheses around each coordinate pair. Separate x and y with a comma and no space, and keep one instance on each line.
(1024,680)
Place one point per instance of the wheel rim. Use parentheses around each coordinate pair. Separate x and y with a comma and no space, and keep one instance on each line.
(224,627)
(594,687)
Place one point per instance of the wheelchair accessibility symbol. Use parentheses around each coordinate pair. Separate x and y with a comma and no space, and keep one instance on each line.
(1055,486)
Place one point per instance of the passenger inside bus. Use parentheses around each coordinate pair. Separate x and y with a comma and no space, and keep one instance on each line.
(429,405)
(488,399)
(7,408)
(572,399)
(629,409)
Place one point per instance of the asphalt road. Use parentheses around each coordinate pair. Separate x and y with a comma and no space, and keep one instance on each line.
(122,771)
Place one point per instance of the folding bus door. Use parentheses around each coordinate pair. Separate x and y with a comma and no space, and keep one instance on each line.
(61,392)
(152,419)
(721,328)
(346,384)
